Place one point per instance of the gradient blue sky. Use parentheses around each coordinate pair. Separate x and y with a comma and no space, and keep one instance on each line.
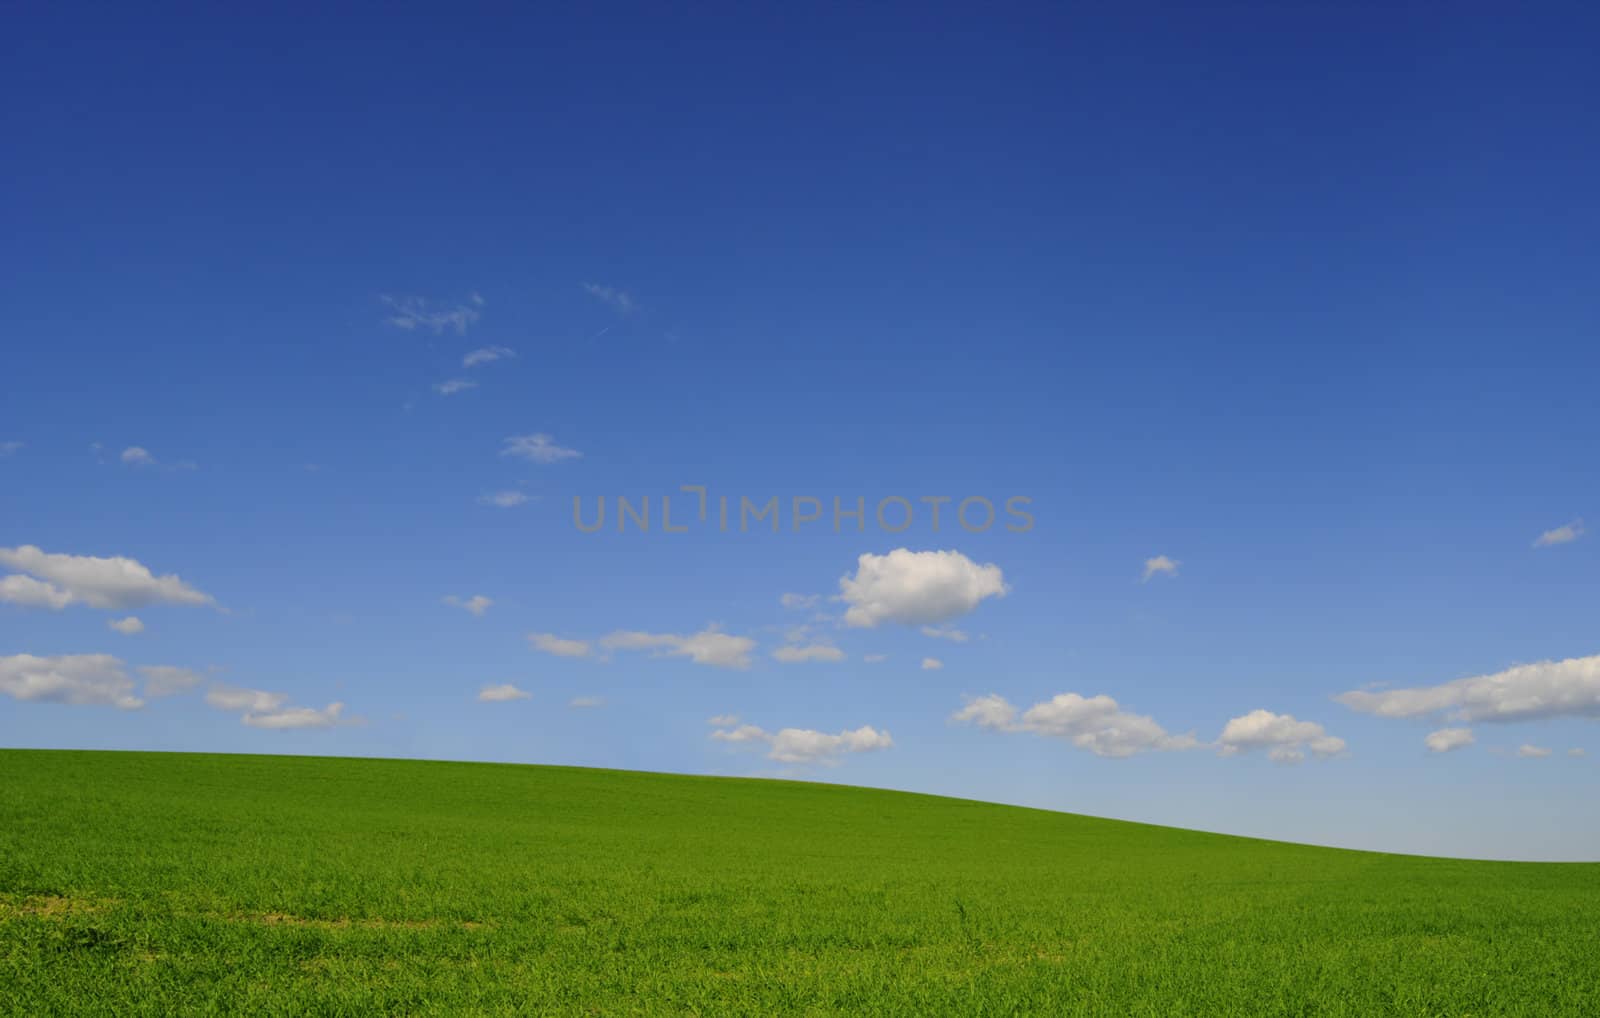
(1301,298)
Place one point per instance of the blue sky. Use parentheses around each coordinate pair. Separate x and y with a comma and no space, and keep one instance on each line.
(1297,302)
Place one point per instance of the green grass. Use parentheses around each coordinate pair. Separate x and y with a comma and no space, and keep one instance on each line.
(157,884)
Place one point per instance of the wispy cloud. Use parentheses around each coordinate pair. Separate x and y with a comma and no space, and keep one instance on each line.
(129,626)
(550,643)
(1160,566)
(503,499)
(931,664)
(414,313)
(502,693)
(454,386)
(166,680)
(476,604)
(487,355)
(263,709)
(950,633)
(1564,534)
(538,448)
(621,300)
(707,647)
(1545,689)
(1448,740)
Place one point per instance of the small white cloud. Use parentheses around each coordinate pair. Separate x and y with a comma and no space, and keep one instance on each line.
(930,664)
(813,652)
(808,746)
(723,720)
(296,717)
(950,633)
(476,604)
(234,698)
(137,456)
(113,583)
(1160,565)
(1096,723)
(538,448)
(1532,752)
(83,679)
(165,680)
(707,647)
(503,499)
(1446,740)
(586,702)
(487,355)
(129,626)
(502,693)
(798,601)
(413,313)
(917,587)
(1564,534)
(453,386)
(553,644)
(1283,737)
(618,299)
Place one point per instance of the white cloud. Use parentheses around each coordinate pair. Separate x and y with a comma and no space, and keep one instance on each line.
(1546,689)
(553,644)
(165,680)
(503,499)
(413,313)
(502,693)
(707,647)
(1283,737)
(137,456)
(1577,751)
(618,299)
(1160,564)
(950,633)
(31,593)
(723,720)
(916,587)
(296,717)
(9,449)
(262,709)
(98,582)
(487,355)
(1447,739)
(586,702)
(225,697)
(477,604)
(453,386)
(129,626)
(798,601)
(1532,752)
(91,679)
(1097,724)
(538,448)
(812,652)
(1563,534)
(930,664)
(807,746)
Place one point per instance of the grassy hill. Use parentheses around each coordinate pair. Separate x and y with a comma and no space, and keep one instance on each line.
(169,884)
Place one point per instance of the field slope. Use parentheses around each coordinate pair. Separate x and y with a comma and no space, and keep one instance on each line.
(165,884)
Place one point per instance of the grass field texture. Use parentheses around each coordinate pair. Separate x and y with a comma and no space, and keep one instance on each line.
(163,884)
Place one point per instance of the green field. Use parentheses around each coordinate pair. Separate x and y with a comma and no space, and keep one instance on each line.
(165,884)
